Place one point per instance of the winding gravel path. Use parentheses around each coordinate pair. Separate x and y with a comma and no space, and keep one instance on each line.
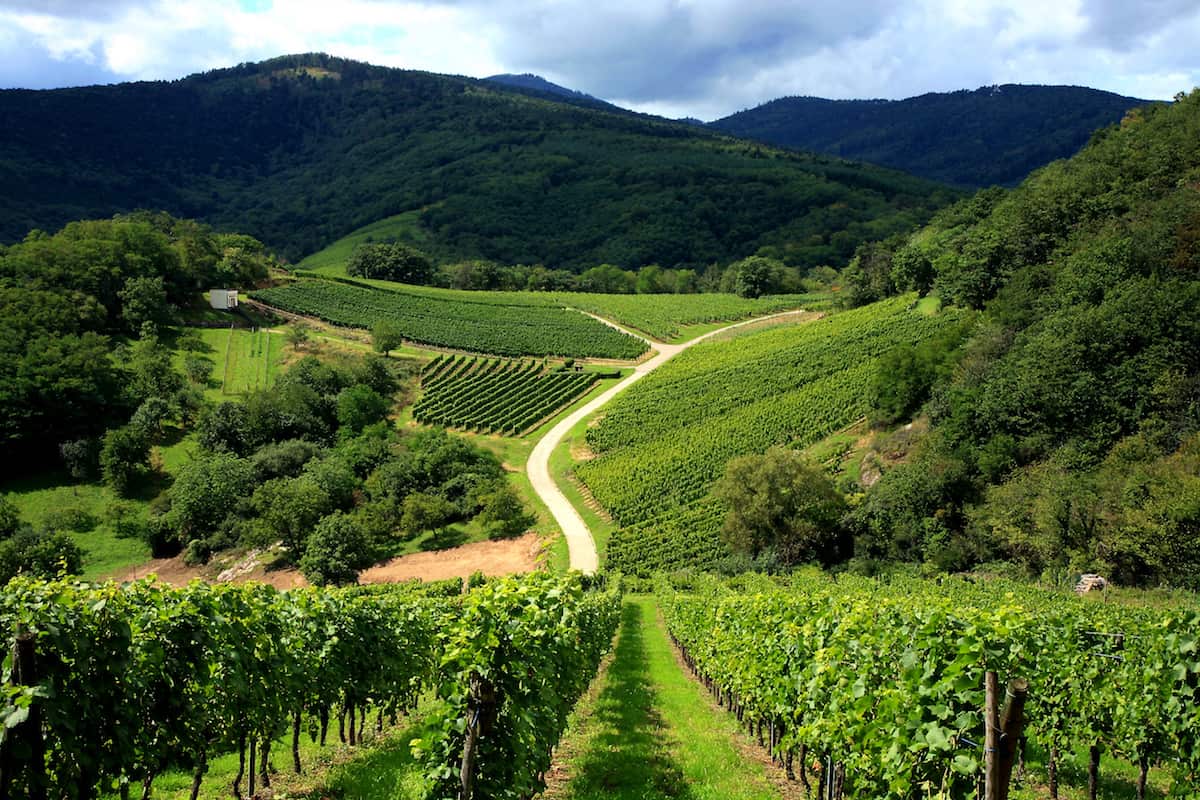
(580,544)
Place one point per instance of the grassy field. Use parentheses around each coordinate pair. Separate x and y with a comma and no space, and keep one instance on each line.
(332,259)
(648,731)
(46,496)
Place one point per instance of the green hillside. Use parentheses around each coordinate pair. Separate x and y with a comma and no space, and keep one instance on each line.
(301,150)
(989,136)
(1066,431)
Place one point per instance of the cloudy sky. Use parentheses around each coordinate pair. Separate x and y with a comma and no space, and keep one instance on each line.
(702,58)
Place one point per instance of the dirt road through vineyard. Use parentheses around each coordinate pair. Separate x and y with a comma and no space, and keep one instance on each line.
(580,545)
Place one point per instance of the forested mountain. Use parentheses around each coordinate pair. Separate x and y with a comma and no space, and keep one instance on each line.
(300,150)
(538,85)
(995,135)
(1066,426)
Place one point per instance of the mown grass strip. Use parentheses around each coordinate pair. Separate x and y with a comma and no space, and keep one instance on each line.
(649,732)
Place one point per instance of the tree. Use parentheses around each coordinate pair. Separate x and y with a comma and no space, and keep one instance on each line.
(390,261)
(296,335)
(81,457)
(151,369)
(756,276)
(149,418)
(144,303)
(338,549)
(225,426)
(124,457)
(425,512)
(780,501)
(10,517)
(206,491)
(359,406)
(501,512)
(198,369)
(386,336)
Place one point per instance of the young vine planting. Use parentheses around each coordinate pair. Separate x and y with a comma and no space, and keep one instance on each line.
(495,396)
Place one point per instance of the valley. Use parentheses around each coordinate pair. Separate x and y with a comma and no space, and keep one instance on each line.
(556,450)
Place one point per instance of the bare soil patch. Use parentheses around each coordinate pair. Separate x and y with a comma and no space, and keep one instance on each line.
(501,557)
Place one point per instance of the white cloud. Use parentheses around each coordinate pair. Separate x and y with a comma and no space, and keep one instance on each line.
(701,58)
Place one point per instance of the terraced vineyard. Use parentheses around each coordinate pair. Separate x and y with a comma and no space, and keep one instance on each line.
(663,443)
(494,395)
(462,325)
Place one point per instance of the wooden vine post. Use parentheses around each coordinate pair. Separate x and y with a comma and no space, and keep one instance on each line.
(28,732)
(1012,728)
(481,710)
(991,737)
(1002,734)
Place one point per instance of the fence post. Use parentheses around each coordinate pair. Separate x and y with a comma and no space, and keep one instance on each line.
(30,731)
(1012,728)
(481,708)
(991,738)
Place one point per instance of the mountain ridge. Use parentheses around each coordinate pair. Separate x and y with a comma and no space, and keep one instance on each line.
(300,150)
(995,134)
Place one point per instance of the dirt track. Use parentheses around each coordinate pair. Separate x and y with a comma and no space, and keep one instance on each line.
(579,539)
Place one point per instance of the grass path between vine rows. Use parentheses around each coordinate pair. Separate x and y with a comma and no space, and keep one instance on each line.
(647,731)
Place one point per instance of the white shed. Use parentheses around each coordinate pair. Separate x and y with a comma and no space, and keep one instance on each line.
(223,299)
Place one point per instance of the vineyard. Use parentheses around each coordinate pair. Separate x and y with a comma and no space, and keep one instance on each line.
(476,327)
(663,443)
(882,684)
(111,685)
(662,316)
(495,396)
(688,538)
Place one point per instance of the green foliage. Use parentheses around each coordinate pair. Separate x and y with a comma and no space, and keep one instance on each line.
(756,276)
(907,373)
(43,554)
(993,135)
(10,517)
(337,551)
(205,491)
(424,512)
(390,262)
(522,654)
(144,302)
(495,396)
(484,171)
(501,511)
(359,406)
(198,369)
(124,458)
(151,371)
(886,679)
(386,336)
(665,441)
(1079,374)
(782,502)
(479,327)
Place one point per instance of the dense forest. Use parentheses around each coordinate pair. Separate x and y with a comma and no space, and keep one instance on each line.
(1066,422)
(995,135)
(300,150)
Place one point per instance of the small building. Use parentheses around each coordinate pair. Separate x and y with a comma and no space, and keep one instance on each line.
(223,299)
